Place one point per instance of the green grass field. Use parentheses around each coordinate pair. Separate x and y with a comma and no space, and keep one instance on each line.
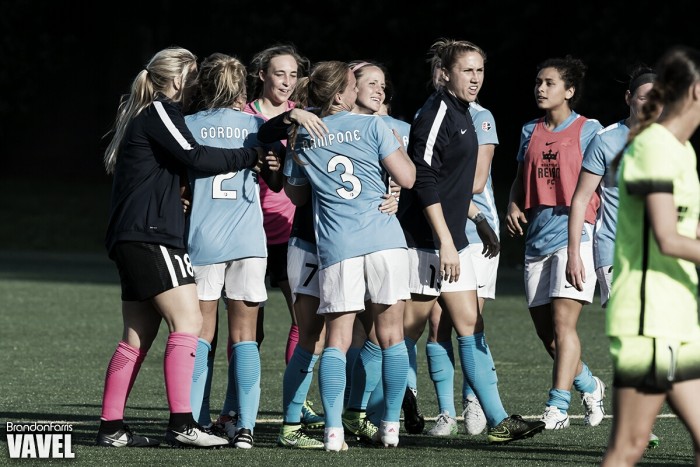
(60,321)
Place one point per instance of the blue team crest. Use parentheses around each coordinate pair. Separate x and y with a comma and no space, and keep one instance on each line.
(486,126)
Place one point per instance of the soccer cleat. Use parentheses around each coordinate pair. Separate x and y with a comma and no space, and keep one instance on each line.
(292,436)
(243,439)
(359,425)
(593,403)
(192,435)
(309,418)
(334,440)
(474,418)
(227,424)
(124,438)
(514,428)
(554,419)
(413,420)
(444,426)
(389,434)
(653,441)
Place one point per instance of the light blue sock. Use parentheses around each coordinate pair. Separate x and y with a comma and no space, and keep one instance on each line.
(247,359)
(412,381)
(296,382)
(350,358)
(584,382)
(375,406)
(442,373)
(231,399)
(205,413)
(479,369)
(331,381)
(366,375)
(199,377)
(394,370)
(560,399)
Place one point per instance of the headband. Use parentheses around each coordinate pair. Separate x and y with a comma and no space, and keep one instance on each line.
(641,80)
(357,66)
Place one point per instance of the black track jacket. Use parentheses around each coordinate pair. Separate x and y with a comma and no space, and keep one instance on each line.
(444,148)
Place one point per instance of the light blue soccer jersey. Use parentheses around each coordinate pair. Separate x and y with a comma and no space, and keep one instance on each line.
(548,227)
(226,220)
(401,127)
(601,151)
(485,127)
(347,180)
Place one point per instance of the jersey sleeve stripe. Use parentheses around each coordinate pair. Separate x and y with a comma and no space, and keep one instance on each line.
(171,126)
(432,136)
(645,187)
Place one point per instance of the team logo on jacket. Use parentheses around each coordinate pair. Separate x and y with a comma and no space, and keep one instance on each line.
(486,126)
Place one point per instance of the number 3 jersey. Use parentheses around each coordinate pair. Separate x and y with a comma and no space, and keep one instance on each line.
(226,221)
(347,180)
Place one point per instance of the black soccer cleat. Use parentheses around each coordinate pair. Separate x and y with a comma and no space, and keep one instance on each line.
(124,438)
(413,420)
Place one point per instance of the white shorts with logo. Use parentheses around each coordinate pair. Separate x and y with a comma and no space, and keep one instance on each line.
(486,271)
(545,277)
(380,277)
(302,272)
(425,273)
(604,275)
(241,279)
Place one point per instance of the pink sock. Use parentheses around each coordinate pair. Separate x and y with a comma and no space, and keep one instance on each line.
(292,341)
(121,374)
(178,367)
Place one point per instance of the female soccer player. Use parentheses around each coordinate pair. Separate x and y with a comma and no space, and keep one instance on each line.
(444,147)
(361,250)
(652,317)
(226,239)
(549,162)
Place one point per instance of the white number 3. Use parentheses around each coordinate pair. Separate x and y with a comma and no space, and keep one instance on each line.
(347,177)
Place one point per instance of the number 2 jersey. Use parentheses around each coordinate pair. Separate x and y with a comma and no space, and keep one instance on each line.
(226,220)
(347,180)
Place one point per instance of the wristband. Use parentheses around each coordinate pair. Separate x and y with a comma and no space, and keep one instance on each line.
(478,217)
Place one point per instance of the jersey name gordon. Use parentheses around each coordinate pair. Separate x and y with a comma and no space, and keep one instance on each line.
(223,132)
(331,138)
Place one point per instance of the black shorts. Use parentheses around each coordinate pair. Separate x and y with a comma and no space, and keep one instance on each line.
(277,263)
(146,269)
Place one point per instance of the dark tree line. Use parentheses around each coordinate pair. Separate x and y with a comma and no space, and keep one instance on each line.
(67,63)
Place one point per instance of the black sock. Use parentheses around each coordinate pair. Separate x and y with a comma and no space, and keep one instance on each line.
(110,426)
(177,420)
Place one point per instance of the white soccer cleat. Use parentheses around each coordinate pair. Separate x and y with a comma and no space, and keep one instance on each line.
(554,419)
(474,417)
(389,434)
(444,426)
(193,436)
(593,403)
(334,439)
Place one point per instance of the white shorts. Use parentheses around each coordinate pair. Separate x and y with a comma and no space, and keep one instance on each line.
(302,272)
(486,271)
(425,273)
(604,275)
(380,277)
(545,277)
(241,279)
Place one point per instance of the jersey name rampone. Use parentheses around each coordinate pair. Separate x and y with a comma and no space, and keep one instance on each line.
(332,138)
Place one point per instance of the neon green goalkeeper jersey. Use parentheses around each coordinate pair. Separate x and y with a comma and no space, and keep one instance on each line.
(653,294)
